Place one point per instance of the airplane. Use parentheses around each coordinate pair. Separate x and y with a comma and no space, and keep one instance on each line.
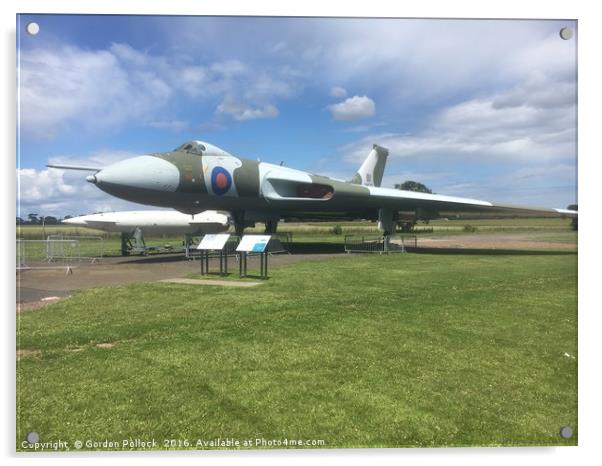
(197,176)
(158,222)
(132,225)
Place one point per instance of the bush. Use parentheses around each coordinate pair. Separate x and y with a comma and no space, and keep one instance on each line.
(337,230)
(406,227)
(470,228)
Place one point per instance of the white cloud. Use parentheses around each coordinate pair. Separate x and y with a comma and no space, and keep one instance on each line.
(527,123)
(230,68)
(521,143)
(551,185)
(70,87)
(173,125)
(240,111)
(398,62)
(193,80)
(42,185)
(99,158)
(338,92)
(353,108)
(425,60)
(57,192)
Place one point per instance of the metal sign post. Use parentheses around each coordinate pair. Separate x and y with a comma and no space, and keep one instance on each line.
(242,264)
(256,244)
(214,243)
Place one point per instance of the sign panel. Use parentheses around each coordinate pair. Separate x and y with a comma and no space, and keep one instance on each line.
(213,242)
(253,243)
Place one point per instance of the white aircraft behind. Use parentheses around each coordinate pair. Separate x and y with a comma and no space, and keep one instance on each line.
(133,225)
(157,222)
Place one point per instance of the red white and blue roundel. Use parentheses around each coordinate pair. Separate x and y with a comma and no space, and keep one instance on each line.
(221,180)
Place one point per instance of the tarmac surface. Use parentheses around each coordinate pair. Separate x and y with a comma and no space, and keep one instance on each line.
(37,287)
(507,241)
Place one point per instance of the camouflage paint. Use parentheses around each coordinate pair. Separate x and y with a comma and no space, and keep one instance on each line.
(246,178)
(357,179)
(193,195)
(191,171)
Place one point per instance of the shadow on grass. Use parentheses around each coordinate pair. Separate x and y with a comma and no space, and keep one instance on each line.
(154,259)
(316,248)
(233,275)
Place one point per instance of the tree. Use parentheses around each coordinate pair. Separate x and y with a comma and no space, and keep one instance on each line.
(33,219)
(50,220)
(20,221)
(574,221)
(413,186)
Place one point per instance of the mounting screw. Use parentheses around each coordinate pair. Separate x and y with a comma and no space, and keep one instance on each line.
(566,432)
(566,33)
(32,28)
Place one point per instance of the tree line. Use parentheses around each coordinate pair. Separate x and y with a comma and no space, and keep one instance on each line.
(36,219)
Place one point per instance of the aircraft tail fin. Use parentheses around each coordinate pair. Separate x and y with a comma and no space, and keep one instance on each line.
(371,171)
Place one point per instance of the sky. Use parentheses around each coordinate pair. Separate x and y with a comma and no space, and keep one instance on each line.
(474,108)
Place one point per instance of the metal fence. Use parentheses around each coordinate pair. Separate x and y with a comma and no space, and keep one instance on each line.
(380,244)
(58,252)
(83,248)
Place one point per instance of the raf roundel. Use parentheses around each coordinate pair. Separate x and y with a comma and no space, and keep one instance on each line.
(221,180)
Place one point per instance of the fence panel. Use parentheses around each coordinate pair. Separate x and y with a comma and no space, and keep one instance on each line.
(58,251)
(379,244)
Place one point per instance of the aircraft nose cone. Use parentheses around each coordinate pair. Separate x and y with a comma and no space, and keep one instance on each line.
(144,172)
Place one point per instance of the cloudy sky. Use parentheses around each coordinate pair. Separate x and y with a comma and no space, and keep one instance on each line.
(476,108)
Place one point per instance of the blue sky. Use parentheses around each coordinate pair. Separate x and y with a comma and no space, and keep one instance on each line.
(483,109)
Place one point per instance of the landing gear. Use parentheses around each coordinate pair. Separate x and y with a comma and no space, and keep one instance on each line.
(386,224)
(406,226)
(132,242)
(239,223)
(187,245)
(126,244)
(271,226)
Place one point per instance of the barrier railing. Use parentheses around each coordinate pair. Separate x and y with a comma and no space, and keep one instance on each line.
(88,247)
(58,252)
(379,244)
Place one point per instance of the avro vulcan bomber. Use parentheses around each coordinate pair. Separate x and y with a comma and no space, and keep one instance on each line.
(199,176)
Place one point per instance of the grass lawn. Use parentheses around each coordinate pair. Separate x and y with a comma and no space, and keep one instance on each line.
(357,351)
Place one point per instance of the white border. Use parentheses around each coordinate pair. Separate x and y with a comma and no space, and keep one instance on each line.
(589,245)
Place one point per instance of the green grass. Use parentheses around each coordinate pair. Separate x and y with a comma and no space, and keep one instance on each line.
(360,351)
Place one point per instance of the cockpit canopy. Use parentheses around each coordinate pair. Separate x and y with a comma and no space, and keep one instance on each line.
(200,148)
